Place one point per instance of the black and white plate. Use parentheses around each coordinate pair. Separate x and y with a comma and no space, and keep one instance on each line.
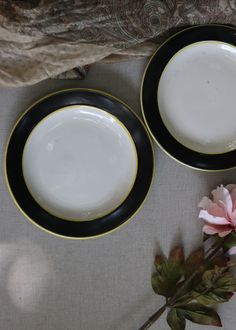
(79,163)
(188,97)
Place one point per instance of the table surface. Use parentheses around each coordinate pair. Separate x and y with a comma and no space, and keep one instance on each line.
(49,283)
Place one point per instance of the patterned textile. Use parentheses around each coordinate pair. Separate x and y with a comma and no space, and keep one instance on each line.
(45,38)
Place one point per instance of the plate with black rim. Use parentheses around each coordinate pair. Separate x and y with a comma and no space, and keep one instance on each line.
(79,163)
(188,97)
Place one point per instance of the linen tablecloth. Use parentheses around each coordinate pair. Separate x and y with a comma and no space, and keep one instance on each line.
(50,283)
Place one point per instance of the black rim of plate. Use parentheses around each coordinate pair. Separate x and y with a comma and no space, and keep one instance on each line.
(150,110)
(14,173)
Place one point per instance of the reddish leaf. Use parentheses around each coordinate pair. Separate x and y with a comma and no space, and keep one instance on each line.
(159,260)
(194,261)
(229,295)
(177,254)
(220,261)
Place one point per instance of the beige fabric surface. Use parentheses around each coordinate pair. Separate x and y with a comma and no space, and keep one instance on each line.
(50,283)
(45,38)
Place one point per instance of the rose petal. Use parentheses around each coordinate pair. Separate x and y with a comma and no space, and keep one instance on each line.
(233,218)
(223,206)
(212,208)
(230,187)
(233,197)
(204,215)
(232,190)
(205,203)
(225,233)
(222,194)
(210,230)
(214,229)
(232,250)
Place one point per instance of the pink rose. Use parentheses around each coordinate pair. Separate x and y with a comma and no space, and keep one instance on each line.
(219,213)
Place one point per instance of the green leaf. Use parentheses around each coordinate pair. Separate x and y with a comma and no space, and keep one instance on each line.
(176,320)
(200,314)
(226,283)
(218,279)
(213,297)
(217,286)
(194,261)
(164,282)
(230,241)
(206,237)
(169,272)
(209,277)
(160,284)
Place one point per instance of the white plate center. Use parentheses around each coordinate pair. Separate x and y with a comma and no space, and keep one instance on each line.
(197,97)
(80,163)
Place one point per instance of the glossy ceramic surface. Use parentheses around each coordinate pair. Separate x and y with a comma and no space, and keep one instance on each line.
(127,129)
(187,78)
(80,163)
(196,97)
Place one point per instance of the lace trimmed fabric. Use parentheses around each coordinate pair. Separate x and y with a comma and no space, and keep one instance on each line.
(40,39)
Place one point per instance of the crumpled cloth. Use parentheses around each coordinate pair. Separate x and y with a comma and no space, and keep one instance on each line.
(47,38)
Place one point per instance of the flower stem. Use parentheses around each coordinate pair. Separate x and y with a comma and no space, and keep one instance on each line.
(153,318)
(183,287)
(198,271)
